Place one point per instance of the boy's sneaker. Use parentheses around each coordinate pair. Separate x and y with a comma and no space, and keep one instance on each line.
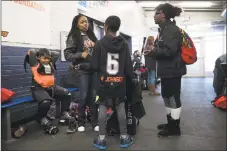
(96,128)
(126,142)
(100,144)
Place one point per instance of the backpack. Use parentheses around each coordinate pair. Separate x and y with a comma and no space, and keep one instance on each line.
(220,102)
(6,95)
(188,50)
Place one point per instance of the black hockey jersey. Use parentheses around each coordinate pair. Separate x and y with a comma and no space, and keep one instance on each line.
(111,59)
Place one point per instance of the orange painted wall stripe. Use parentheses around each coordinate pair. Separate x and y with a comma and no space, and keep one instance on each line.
(4,33)
(31,4)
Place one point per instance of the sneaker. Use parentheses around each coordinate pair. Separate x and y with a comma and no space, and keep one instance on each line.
(100,144)
(81,129)
(49,127)
(126,142)
(96,128)
(70,130)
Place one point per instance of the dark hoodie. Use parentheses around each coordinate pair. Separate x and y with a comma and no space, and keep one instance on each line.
(111,59)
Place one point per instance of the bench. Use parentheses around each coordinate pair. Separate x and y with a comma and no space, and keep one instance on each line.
(6,110)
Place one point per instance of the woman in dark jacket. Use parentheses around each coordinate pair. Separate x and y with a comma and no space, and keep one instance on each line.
(170,66)
(79,46)
(219,75)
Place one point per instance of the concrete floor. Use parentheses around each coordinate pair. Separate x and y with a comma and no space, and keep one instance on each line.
(203,126)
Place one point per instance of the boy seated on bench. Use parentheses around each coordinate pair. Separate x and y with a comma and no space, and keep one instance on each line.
(111,59)
(42,63)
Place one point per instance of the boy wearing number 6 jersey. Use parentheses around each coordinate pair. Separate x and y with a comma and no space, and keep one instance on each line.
(111,59)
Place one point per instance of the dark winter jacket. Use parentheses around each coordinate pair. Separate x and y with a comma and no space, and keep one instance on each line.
(167,51)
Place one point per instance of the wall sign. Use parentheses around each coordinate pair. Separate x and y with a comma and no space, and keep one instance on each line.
(82,3)
(93,4)
(27,21)
(30,4)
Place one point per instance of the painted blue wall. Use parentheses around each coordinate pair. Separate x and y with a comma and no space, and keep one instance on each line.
(14,77)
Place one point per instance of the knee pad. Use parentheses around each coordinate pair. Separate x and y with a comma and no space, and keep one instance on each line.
(44,106)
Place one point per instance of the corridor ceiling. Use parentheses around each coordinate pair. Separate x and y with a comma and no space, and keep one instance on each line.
(188,6)
(195,12)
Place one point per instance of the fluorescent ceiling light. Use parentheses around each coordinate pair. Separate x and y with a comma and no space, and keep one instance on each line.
(149,4)
(182,4)
(195,4)
(223,14)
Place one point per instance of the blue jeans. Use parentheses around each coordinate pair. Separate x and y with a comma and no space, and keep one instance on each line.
(151,77)
(87,98)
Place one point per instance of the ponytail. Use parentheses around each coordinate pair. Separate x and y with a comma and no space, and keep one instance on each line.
(177,11)
(169,10)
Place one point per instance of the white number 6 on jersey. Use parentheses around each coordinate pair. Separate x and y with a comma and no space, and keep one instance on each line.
(112,63)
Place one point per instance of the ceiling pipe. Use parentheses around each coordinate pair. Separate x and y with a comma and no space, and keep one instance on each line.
(191,10)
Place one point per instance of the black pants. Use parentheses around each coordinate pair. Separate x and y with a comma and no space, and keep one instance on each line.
(171,89)
(219,78)
(88,84)
(46,96)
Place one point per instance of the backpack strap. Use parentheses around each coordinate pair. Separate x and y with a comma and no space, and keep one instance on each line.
(26,61)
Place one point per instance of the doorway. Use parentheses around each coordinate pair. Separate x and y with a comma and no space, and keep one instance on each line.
(96,25)
(129,41)
(214,48)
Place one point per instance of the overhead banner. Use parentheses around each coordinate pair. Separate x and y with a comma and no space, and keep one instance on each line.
(26,22)
(85,4)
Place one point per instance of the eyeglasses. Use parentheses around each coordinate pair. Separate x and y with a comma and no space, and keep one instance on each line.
(157,13)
